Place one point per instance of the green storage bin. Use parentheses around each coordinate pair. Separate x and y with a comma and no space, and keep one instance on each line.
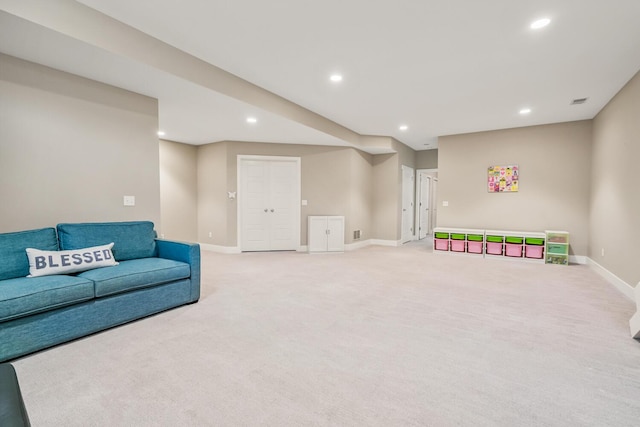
(495,239)
(475,237)
(538,241)
(514,240)
(554,248)
(457,236)
(442,235)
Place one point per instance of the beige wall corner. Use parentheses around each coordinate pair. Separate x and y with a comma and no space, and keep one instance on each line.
(427,159)
(615,199)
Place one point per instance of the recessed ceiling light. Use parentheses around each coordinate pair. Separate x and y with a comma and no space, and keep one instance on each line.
(336,78)
(525,111)
(403,127)
(540,23)
(252,120)
(161,133)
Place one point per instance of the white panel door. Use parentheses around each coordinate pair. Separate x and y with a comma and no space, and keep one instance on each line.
(424,213)
(282,205)
(255,219)
(407,203)
(270,213)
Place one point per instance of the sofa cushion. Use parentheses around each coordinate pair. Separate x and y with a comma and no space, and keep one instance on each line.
(132,240)
(13,257)
(46,263)
(28,295)
(135,274)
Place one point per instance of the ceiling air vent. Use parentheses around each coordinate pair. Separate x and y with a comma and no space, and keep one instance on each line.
(579,101)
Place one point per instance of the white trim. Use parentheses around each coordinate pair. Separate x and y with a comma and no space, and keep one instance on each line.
(302,248)
(578,259)
(634,322)
(357,245)
(220,249)
(620,284)
(379,242)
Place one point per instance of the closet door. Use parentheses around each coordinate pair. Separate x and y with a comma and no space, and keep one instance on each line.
(269,211)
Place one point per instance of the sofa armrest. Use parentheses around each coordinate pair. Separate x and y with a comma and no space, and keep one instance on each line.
(185,252)
(12,410)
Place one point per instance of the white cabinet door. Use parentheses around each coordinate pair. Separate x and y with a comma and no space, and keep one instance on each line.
(335,236)
(317,234)
(326,233)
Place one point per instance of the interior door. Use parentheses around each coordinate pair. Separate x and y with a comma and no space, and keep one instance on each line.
(281,205)
(408,189)
(425,204)
(269,211)
(255,219)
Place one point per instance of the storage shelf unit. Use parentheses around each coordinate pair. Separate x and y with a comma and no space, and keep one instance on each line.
(557,247)
(500,244)
(525,245)
(460,240)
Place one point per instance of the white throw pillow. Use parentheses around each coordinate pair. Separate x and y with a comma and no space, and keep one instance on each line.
(44,263)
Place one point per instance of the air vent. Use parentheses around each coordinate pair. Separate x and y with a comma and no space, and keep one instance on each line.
(579,101)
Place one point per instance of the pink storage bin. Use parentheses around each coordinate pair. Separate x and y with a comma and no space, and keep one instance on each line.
(533,251)
(457,245)
(511,249)
(474,247)
(494,248)
(442,244)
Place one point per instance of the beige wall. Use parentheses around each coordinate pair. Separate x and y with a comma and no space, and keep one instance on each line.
(71,148)
(334,182)
(427,159)
(178,191)
(615,198)
(361,196)
(212,194)
(555,171)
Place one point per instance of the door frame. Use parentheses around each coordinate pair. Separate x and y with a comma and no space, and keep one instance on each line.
(298,189)
(433,173)
(412,220)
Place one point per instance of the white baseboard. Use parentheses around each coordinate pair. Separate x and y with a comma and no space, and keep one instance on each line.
(620,284)
(357,245)
(379,242)
(578,259)
(220,249)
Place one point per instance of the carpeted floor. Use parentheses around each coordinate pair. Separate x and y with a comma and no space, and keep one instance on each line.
(374,337)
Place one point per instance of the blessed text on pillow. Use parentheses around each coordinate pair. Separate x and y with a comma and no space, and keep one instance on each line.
(44,263)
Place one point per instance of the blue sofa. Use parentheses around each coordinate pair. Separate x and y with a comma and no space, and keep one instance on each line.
(152,275)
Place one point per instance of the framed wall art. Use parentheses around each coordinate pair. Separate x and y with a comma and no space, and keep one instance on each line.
(503,179)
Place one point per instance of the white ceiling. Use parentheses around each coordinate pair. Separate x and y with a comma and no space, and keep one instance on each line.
(439,66)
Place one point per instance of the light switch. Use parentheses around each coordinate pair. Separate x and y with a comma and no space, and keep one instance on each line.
(304,203)
(445,203)
(129,200)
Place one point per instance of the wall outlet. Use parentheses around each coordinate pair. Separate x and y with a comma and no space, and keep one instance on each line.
(210,234)
(356,234)
(445,203)
(602,251)
(129,200)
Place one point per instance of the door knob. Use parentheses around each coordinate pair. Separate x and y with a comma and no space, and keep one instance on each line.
(266,210)
(272,210)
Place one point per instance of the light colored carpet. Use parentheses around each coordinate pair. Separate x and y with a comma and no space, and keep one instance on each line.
(374,337)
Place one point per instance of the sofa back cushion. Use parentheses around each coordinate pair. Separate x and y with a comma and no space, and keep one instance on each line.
(13,255)
(132,240)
